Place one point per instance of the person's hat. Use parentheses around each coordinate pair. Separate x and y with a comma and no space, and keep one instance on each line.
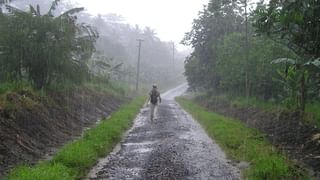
(154,85)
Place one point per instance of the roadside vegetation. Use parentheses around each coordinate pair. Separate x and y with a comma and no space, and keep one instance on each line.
(314,110)
(75,159)
(263,59)
(244,144)
(54,44)
(269,53)
(54,57)
(311,115)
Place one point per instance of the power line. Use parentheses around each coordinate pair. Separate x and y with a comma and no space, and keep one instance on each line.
(138,65)
(173,49)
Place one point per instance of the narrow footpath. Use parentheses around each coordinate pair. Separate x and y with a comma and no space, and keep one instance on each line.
(173,146)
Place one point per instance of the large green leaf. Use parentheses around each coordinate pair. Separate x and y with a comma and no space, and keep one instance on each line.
(72,11)
(12,9)
(315,62)
(103,64)
(284,60)
(116,67)
(53,7)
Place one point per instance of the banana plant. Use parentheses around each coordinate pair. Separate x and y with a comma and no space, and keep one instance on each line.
(47,47)
(2,2)
(295,80)
(103,67)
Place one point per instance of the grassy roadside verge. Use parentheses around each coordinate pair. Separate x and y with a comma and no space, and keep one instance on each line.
(75,159)
(243,144)
(312,109)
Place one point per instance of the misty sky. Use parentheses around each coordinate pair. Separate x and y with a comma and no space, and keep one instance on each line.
(170,18)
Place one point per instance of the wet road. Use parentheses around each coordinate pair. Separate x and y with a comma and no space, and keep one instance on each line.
(173,146)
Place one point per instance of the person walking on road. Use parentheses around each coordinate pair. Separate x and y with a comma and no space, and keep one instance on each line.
(154,95)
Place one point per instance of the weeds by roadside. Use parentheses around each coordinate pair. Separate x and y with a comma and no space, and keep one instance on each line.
(312,111)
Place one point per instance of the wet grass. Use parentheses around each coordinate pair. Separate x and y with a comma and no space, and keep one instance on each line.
(254,102)
(243,144)
(44,171)
(111,88)
(243,102)
(75,159)
(314,109)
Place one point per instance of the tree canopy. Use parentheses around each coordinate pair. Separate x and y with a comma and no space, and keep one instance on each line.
(43,48)
(276,58)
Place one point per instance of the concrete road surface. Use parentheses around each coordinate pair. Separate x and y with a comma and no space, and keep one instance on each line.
(173,146)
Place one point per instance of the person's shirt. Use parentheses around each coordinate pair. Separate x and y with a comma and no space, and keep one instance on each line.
(157,93)
(154,91)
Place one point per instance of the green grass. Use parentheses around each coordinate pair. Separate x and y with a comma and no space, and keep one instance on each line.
(19,87)
(13,86)
(111,88)
(243,102)
(314,109)
(75,159)
(44,171)
(254,102)
(243,144)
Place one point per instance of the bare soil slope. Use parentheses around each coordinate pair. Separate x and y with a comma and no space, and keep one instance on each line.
(32,128)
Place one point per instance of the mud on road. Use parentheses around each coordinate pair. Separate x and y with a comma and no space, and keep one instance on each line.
(173,146)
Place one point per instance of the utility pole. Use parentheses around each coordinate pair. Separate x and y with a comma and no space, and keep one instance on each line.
(173,49)
(138,65)
(247,54)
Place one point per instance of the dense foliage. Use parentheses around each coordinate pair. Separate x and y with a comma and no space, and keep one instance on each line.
(274,56)
(42,48)
(62,46)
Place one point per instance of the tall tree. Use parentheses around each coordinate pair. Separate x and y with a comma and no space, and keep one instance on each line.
(296,25)
(218,19)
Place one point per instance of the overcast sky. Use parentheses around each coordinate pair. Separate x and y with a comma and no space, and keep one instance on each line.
(170,18)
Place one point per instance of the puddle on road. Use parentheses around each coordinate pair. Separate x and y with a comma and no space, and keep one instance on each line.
(145,143)
(186,136)
(138,134)
(142,150)
(140,147)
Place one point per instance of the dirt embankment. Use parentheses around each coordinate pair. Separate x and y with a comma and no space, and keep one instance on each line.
(301,141)
(32,128)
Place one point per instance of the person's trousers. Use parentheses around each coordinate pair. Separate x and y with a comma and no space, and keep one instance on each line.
(153,109)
